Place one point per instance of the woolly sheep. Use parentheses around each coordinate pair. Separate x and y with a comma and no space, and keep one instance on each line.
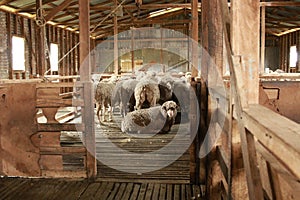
(158,119)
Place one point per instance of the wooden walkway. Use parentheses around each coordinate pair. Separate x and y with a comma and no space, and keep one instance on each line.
(61,189)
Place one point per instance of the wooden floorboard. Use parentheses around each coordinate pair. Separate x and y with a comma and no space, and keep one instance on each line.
(52,189)
(177,170)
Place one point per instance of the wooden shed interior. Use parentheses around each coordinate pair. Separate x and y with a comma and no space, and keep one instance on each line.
(241,137)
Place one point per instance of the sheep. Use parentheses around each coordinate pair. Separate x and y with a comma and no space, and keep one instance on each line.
(103,96)
(123,95)
(181,95)
(127,95)
(158,119)
(95,79)
(165,88)
(146,91)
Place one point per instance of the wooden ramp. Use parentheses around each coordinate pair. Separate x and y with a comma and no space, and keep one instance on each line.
(52,189)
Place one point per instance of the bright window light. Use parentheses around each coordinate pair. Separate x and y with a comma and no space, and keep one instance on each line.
(293,56)
(54,57)
(18,53)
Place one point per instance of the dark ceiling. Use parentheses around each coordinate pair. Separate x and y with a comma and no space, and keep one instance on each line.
(281,16)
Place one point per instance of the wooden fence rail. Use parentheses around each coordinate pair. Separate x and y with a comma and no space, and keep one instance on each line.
(56,101)
(261,145)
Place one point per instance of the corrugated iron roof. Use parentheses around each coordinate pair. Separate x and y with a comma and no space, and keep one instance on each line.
(279,19)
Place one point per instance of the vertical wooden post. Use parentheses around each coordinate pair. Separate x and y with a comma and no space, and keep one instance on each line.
(132,51)
(40,51)
(161,52)
(84,39)
(263,39)
(245,68)
(116,59)
(194,60)
(211,61)
(9,43)
(195,30)
(245,42)
(298,52)
(85,76)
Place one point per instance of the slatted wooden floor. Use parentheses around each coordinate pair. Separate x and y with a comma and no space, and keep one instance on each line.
(61,189)
(138,150)
(110,139)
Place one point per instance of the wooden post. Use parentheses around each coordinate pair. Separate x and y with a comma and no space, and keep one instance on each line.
(116,59)
(195,29)
(244,68)
(40,35)
(132,51)
(85,76)
(211,61)
(298,52)
(161,52)
(245,42)
(263,38)
(84,39)
(9,43)
(194,60)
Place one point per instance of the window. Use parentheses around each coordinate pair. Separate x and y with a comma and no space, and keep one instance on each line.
(293,56)
(54,57)
(18,53)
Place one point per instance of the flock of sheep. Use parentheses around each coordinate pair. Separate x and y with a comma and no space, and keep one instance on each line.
(148,103)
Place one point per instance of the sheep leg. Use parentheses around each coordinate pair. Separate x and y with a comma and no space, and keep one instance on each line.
(151,98)
(98,112)
(122,109)
(110,111)
(103,113)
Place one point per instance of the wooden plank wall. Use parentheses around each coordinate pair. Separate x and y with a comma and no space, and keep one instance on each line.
(21,26)
(18,155)
(276,95)
(58,159)
(34,126)
(285,42)
(226,173)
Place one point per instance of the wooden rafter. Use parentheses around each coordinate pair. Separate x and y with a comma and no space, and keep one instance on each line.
(56,12)
(279,3)
(146,6)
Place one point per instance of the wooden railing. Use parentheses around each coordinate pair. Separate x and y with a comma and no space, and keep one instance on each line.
(55,101)
(276,150)
(259,158)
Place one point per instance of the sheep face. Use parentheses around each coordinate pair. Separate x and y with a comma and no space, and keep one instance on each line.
(170,108)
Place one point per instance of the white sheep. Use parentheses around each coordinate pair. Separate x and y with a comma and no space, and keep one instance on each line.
(158,119)
(146,92)
(103,97)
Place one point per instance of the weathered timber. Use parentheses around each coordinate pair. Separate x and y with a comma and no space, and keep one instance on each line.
(281,140)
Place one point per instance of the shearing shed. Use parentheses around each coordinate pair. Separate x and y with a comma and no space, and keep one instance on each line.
(215,82)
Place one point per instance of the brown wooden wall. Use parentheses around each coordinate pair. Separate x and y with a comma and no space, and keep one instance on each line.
(18,154)
(285,42)
(14,25)
(281,97)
